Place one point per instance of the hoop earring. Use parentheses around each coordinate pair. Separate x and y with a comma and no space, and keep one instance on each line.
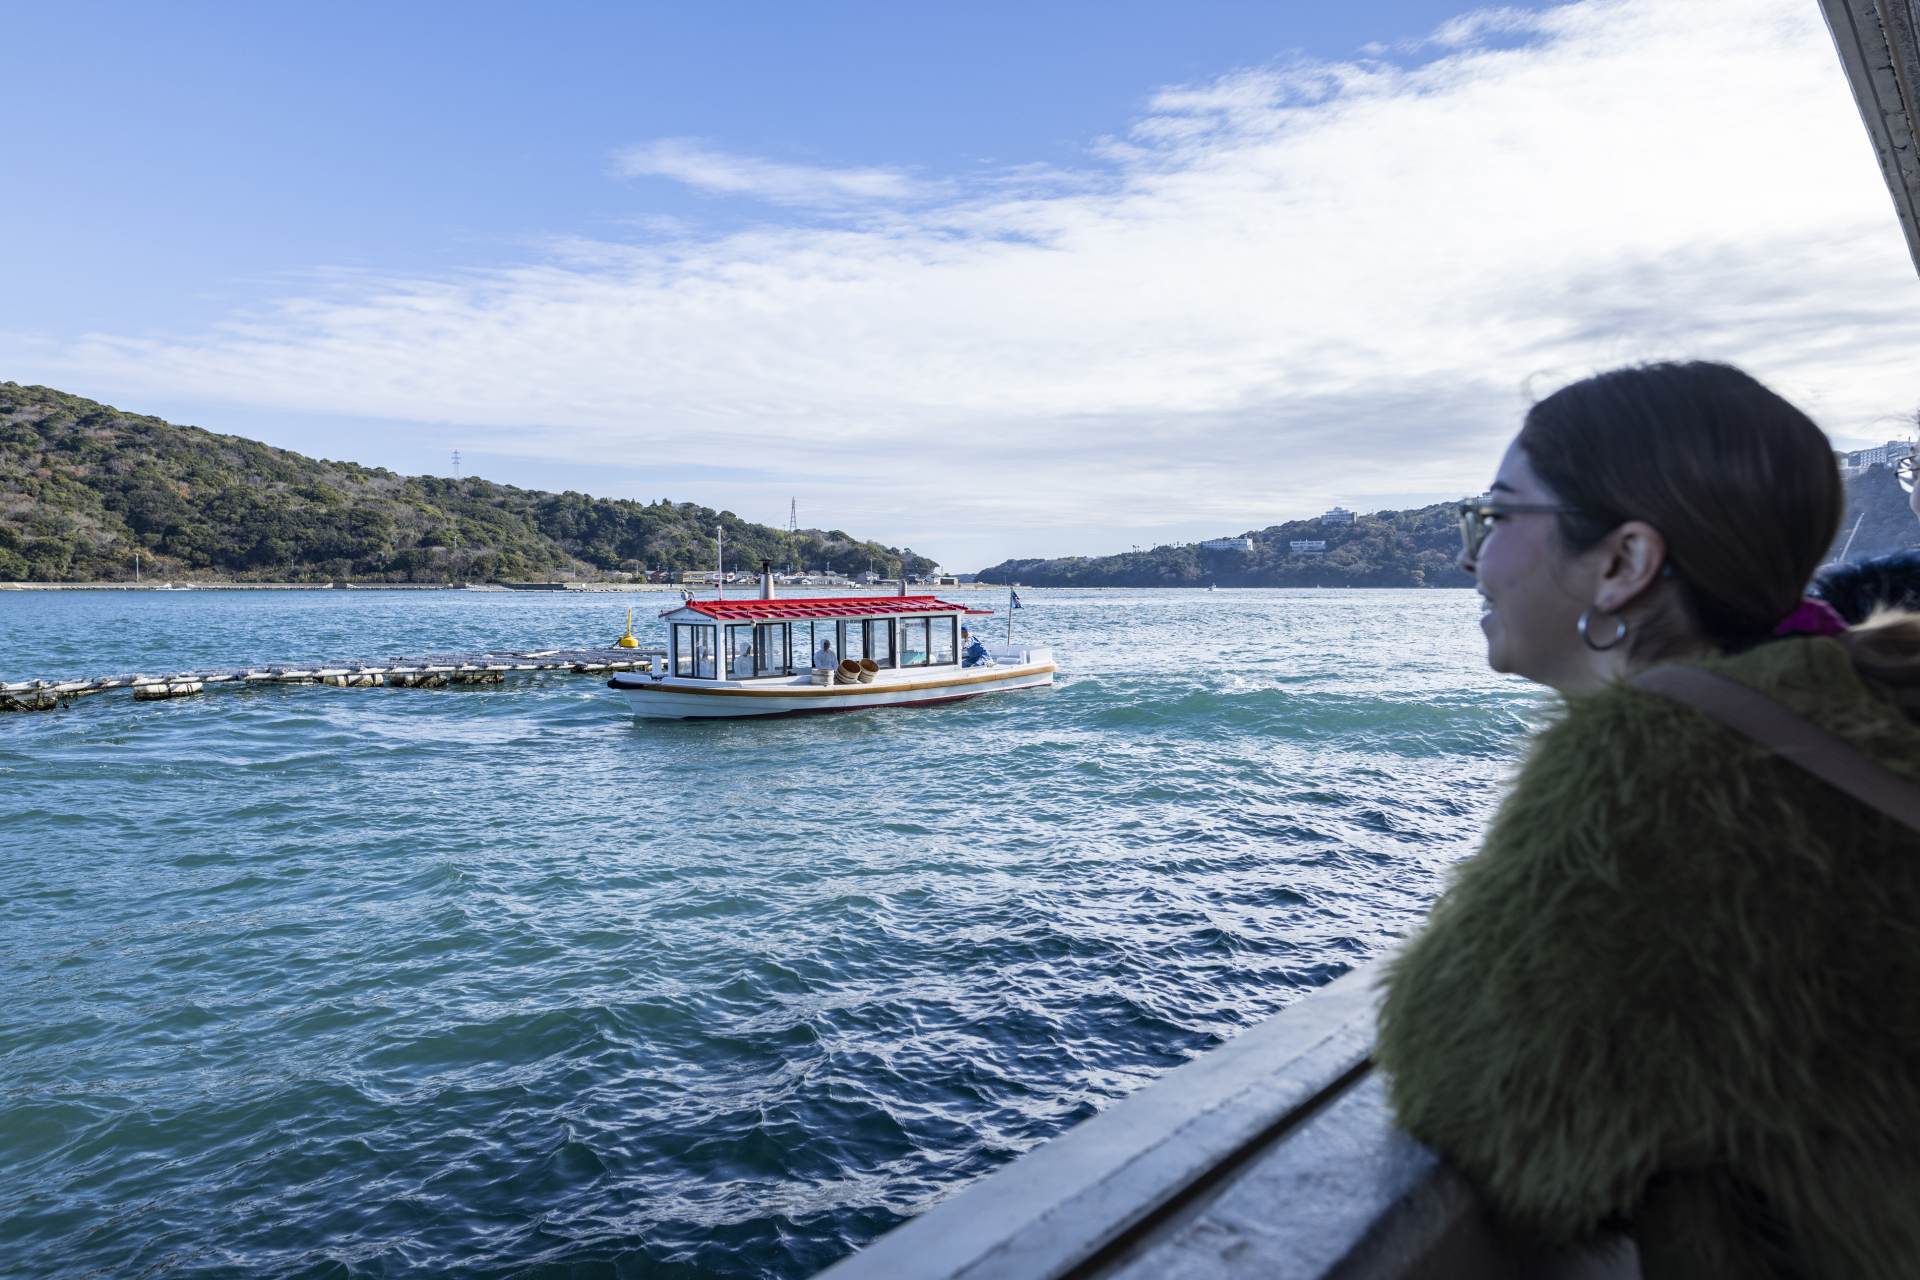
(1586,634)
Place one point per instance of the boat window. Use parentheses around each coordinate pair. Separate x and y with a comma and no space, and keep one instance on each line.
(913,642)
(739,652)
(693,650)
(852,641)
(771,656)
(944,635)
(880,641)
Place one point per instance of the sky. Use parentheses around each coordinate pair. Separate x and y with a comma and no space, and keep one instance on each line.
(989,280)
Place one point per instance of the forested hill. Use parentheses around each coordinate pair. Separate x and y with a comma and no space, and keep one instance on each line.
(1386,549)
(84,486)
(1391,549)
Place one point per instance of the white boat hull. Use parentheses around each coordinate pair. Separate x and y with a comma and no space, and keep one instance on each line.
(679,698)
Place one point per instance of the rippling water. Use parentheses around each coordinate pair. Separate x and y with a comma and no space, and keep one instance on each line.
(489,982)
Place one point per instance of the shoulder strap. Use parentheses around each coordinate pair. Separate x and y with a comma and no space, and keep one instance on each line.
(1791,736)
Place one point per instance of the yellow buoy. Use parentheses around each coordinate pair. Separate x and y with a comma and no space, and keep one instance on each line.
(627,641)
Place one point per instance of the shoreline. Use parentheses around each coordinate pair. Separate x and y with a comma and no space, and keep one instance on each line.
(558,587)
(653,588)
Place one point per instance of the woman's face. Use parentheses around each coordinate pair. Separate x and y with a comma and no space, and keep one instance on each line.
(1533,591)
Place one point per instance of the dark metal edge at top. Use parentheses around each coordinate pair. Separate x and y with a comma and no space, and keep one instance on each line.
(1879,46)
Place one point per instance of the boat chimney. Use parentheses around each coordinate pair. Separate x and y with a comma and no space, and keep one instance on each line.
(766,579)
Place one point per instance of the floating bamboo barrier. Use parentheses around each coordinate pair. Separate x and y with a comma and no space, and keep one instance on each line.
(434,672)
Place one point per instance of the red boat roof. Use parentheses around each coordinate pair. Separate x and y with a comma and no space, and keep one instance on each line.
(803,607)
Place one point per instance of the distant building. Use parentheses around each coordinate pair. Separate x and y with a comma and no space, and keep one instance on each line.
(1339,515)
(1853,462)
(1307,547)
(1227,544)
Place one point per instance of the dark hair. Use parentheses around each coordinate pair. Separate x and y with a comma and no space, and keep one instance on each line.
(1741,484)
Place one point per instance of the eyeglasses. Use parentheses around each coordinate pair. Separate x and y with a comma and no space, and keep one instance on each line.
(1477,520)
(1903,472)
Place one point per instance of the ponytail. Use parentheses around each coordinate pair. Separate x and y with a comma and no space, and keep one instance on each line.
(1885,650)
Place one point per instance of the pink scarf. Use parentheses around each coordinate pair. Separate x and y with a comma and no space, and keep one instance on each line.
(1812,618)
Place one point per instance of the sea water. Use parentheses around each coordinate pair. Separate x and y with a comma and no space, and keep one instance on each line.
(504,982)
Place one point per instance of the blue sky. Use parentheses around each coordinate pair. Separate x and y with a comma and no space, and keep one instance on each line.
(989,280)
(187,157)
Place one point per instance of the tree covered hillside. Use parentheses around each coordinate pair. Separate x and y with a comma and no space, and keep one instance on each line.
(84,486)
(1386,549)
(1394,549)
(1878,519)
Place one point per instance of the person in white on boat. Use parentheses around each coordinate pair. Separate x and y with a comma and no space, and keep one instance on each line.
(823,658)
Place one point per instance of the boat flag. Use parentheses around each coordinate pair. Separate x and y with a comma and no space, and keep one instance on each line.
(1013,600)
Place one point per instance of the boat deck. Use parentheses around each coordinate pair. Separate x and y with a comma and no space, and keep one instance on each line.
(685,697)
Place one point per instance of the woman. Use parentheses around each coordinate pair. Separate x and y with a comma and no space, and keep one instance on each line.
(1678,989)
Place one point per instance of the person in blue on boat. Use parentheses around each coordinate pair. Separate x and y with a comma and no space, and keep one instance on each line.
(972,652)
(1677,990)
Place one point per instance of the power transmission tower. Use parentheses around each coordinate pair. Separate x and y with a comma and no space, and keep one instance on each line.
(456,464)
(793,529)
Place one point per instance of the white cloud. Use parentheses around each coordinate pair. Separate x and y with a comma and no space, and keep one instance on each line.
(695,163)
(1268,293)
(1473,28)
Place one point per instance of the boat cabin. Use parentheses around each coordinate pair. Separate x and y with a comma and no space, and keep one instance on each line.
(758,638)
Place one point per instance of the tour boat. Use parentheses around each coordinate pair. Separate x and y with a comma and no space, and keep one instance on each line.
(762,657)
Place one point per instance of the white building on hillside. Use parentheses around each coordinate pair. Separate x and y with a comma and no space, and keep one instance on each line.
(1227,544)
(1339,515)
(1853,462)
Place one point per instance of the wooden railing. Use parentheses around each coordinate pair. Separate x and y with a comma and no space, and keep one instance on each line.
(1273,1156)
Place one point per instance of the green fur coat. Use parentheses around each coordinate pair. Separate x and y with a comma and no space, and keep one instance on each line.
(1678,989)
